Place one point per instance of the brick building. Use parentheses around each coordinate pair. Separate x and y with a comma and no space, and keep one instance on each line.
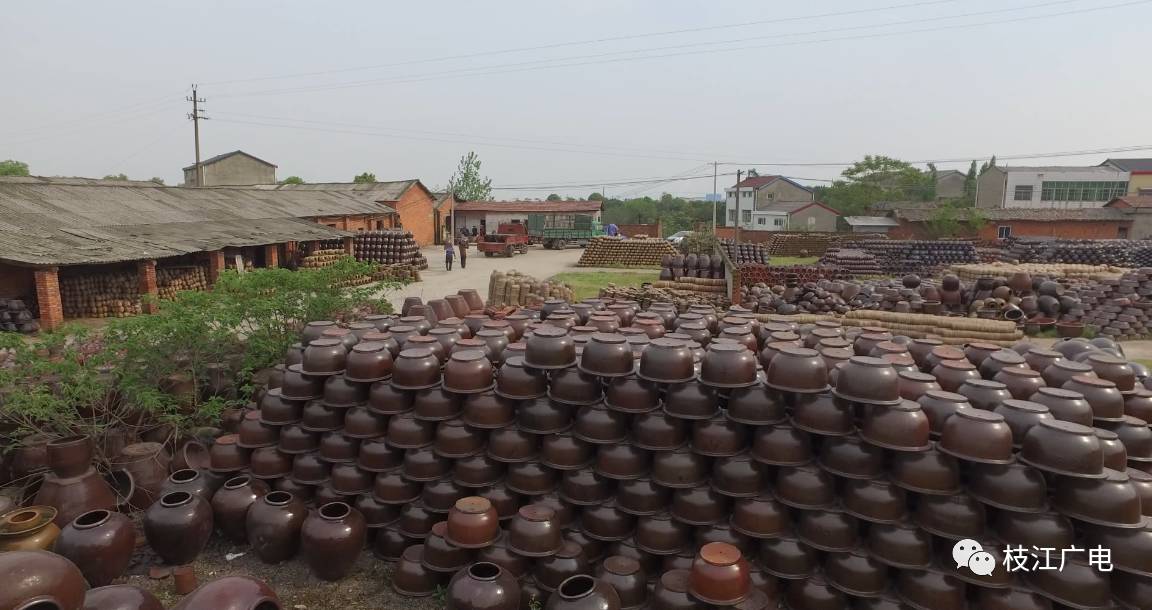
(1002,223)
(487,216)
(50,227)
(236,168)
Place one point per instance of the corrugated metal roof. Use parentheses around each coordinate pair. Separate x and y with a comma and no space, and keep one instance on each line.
(44,221)
(376,191)
(528,206)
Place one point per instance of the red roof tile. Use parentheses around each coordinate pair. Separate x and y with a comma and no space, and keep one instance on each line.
(529,206)
(757,181)
(1135,201)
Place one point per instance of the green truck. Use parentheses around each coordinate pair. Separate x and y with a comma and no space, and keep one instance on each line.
(559,231)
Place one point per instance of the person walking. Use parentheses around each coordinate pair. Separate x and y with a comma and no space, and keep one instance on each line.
(448,256)
(463,253)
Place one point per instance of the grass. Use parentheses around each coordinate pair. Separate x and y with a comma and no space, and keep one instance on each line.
(794,260)
(586,284)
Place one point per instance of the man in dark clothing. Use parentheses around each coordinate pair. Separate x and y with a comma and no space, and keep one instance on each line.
(463,253)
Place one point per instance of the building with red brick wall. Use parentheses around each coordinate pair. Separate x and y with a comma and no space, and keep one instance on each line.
(53,227)
(406,204)
(1002,223)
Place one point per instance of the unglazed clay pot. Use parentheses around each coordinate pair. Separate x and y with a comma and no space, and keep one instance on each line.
(34,580)
(28,529)
(331,539)
(273,526)
(230,505)
(583,592)
(120,597)
(100,543)
(231,593)
(178,526)
(483,586)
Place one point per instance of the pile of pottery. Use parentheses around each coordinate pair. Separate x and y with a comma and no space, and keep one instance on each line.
(745,253)
(899,257)
(801,244)
(111,294)
(515,288)
(751,275)
(1118,308)
(682,295)
(851,260)
(607,251)
(389,248)
(17,317)
(1117,252)
(171,280)
(673,267)
(318,259)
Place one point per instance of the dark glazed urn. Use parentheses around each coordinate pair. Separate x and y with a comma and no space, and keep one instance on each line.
(39,580)
(583,592)
(331,539)
(273,524)
(100,543)
(483,586)
(120,597)
(230,505)
(231,593)
(178,526)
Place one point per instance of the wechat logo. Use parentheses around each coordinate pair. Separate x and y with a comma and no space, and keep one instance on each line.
(969,554)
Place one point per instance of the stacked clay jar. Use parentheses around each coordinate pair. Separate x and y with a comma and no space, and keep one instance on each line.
(595,454)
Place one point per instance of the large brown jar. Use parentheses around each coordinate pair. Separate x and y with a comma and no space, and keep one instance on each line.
(583,592)
(483,586)
(273,525)
(178,526)
(148,465)
(231,593)
(120,597)
(70,456)
(28,529)
(230,505)
(100,543)
(331,539)
(74,496)
(720,575)
(39,580)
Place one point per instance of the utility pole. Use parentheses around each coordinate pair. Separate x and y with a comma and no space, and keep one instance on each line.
(714,193)
(739,218)
(196,117)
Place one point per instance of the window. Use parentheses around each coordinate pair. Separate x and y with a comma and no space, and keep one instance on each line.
(760,220)
(746,216)
(1003,232)
(811,221)
(1096,190)
(732,216)
(1122,233)
(779,222)
(1023,192)
(747,194)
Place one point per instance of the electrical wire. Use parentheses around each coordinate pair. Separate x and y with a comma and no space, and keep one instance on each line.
(94,125)
(168,99)
(591,41)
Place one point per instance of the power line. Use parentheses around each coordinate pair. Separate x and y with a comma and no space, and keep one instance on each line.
(94,124)
(167,99)
(591,41)
(502,69)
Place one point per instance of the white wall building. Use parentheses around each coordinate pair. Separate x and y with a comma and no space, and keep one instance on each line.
(1050,187)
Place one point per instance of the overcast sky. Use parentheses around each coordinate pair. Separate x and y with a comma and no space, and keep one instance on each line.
(560,93)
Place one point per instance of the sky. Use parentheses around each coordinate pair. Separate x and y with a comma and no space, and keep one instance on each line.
(561,96)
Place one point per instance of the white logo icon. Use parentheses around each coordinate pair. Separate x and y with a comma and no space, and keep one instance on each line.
(969,554)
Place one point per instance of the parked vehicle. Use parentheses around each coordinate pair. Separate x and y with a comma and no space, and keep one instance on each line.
(678,237)
(511,238)
(559,231)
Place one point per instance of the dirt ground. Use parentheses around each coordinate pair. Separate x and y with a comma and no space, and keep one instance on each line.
(367,588)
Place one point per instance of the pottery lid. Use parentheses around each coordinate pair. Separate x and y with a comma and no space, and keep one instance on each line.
(473,505)
(469,355)
(611,338)
(916,376)
(550,332)
(946,396)
(961,365)
(1024,405)
(979,415)
(1020,372)
(1067,427)
(720,553)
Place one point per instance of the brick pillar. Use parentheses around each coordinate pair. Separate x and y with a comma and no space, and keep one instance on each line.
(146,271)
(47,282)
(215,265)
(272,256)
(350,246)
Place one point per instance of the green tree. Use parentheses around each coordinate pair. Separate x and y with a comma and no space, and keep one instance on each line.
(987,165)
(157,180)
(299,180)
(118,177)
(365,178)
(874,179)
(554,197)
(595,197)
(467,183)
(970,181)
(12,167)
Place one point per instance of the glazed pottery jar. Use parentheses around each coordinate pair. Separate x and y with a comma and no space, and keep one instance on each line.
(760,517)
(331,539)
(719,575)
(120,597)
(520,382)
(148,465)
(671,592)
(1012,487)
(847,456)
(868,380)
(955,517)
(1064,404)
(411,578)
(231,503)
(574,387)
(550,348)
(416,369)
(1064,448)
(660,534)
(927,472)
(231,593)
(728,365)
(472,523)
(178,526)
(900,545)
(975,435)
(814,592)
(627,577)
(369,362)
(70,456)
(227,456)
(568,561)
(74,496)
(100,543)
(533,532)
(951,374)
(195,482)
(482,586)
(273,526)
(468,372)
(607,355)
(31,580)
(899,427)
(983,393)
(323,357)
(583,592)
(28,529)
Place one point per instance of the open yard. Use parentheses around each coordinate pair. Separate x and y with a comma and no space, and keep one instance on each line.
(587,284)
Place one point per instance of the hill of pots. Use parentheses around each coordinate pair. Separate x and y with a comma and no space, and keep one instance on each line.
(624,252)
(1118,252)
(604,455)
(900,257)
(17,317)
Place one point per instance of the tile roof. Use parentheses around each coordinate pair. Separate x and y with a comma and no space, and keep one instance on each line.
(49,222)
(1136,201)
(871,221)
(756,182)
(217,158)
(1084,169)
(529,206)
(791,207)
(1131,165)
(374,191)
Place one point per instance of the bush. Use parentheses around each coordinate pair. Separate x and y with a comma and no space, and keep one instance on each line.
(699,243)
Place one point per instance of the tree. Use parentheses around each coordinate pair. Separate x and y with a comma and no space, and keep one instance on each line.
(365,178)
(12,167)
(299,180)
(595,197)
(554,197)
(970,182)
(874,179)
(157,180)
(118,177)
(989,164)
(467,183)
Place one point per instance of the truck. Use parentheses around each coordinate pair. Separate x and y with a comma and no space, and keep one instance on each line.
(559,231)
(510,238)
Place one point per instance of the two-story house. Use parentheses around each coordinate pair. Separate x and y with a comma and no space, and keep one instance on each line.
(1052,187)
(757,197)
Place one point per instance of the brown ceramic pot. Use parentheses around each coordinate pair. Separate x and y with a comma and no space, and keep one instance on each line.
(848,457)
(231,503)
(273,526)
(331,539)
(37,579)
(913,384)
(178,526)
(70,456)
(975,435)
(900,427)
(728,365)
(416,369)
(100,543)
(520,382)
(606,522)
(1064,448)
(585,487)
(877,500)
(1102,395)
(755,406)
(120,597)
(955,517)
(324,357)
(607,355)
(984,393)
(1112,501)
(868,380)
(231,593)
(719,575)
(928,472)
(781,445)
(1064,404)
(29,529)
(1020,382)
(472,523)
(1021,415)
(533,533)
(951,374)
(900,545)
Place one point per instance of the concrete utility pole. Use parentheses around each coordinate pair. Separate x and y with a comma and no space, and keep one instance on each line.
(196,117)
(714,193)
(739,218)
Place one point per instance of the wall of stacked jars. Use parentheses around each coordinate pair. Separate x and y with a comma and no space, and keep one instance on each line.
(1115,252)
(852,260)
(103,291)
(171,279)
(743,253)
(388,247)
(18,316)
(923,257)
(512,288)
(621,252)
(321,258)
(803,244)
(676,266)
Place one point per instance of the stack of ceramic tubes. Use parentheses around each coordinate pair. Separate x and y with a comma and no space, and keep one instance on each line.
(846,465)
